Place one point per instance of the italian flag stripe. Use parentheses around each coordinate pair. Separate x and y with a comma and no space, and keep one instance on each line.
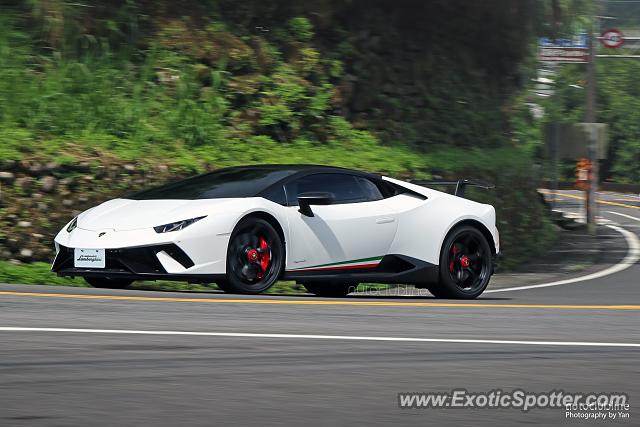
(344,265)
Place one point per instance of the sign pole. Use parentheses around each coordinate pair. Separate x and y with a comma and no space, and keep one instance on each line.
(554,154)
(590,117)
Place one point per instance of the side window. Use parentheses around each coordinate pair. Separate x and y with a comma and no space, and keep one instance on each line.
(371,191)
(345,188)
(277,195)
(388,189)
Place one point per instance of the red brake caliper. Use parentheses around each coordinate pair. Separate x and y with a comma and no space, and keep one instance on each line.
(265,257)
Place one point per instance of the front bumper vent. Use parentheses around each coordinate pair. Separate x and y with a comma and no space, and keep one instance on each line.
(138,260)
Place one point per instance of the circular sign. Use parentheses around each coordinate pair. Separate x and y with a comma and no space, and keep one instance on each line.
(612,38)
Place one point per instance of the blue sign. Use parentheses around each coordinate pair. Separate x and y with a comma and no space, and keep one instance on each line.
(577,41)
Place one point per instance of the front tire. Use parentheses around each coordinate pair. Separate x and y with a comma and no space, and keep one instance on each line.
(330,289)
(465,265)
(100,282)
(255,257)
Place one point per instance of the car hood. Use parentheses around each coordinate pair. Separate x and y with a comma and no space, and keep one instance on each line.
(127,214)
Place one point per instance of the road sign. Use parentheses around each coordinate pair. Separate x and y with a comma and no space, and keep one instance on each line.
(573,49)
(612,38)
(568,141)
(564,54)
(579,40)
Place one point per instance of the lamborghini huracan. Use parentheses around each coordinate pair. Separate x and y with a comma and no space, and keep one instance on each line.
(246,227)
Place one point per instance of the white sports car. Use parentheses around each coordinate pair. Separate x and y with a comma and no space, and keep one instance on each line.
(325,227)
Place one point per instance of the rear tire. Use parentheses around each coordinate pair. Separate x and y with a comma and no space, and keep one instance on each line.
(466,265)
(100,282)
(330,289)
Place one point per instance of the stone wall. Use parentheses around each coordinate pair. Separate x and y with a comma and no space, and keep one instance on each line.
(37,199)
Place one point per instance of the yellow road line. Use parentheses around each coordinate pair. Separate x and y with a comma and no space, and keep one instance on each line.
(321,302)
(604,202)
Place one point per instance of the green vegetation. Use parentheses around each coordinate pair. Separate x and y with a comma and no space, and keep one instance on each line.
(39,273)
(207,83)
(172,103)
(618,105)
(189,87)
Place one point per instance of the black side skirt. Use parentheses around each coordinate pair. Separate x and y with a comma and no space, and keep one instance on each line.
(392,269)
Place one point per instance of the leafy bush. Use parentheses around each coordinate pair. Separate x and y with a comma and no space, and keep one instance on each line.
(301,28)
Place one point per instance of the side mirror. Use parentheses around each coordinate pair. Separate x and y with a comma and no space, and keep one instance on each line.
(305,200)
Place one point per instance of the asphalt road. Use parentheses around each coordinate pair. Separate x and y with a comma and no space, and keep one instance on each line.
(323,367)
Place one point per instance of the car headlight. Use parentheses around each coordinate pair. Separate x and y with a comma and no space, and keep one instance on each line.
(175,226)
(72,225)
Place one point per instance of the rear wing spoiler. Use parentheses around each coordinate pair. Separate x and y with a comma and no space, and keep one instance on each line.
(460,184)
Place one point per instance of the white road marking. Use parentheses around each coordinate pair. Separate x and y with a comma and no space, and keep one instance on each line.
(624,215)
(320,337)
(633,255)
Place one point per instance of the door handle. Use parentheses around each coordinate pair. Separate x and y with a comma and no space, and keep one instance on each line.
(385,220)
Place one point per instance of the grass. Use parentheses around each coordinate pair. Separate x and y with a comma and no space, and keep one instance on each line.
(359,153)
(355,149)
(39,273)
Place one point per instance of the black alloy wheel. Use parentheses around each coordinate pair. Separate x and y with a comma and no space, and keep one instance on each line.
(255,257)
(465,264)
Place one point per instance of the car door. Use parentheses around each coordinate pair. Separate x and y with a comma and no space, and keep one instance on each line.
(355,231)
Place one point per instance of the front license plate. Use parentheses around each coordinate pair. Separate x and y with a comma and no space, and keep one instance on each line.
(88,258)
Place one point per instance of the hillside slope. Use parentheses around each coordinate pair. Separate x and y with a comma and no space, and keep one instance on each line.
(99,99)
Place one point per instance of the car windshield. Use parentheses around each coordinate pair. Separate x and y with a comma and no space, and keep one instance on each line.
(223,183)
